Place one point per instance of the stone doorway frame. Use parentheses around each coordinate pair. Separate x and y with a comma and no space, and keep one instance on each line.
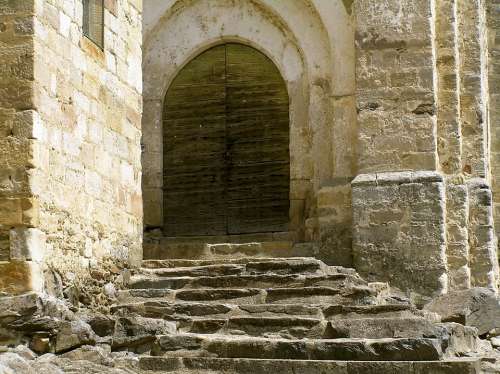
(295,37)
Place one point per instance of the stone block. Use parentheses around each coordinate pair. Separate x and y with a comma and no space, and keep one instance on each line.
(476,307)
(399,230)
(27,244)
(19,277)
(483,257)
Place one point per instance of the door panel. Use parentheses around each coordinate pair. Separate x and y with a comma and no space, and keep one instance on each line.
(194,163)
(226,146)
(257,123)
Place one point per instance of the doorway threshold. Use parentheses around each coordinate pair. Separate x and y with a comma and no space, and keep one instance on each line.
(277,244)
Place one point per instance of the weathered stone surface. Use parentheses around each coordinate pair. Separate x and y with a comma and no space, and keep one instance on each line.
(19,277)
(246,366)
(73,335)
(250,281)
(483,244)
(381,327)
(295,335)
(96,355)
(102,325)
(477,307)
(69,141)
(339,349)
(130,326)
(399,230)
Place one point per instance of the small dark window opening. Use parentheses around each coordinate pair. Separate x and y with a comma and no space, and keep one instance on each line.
(93,21)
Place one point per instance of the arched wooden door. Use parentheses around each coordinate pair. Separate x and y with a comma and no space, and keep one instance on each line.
(226,161)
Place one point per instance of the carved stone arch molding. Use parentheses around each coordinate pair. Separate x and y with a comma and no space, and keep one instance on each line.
(292,34)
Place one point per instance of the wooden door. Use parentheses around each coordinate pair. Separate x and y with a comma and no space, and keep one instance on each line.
(226,145)
(258,143)
(194,149)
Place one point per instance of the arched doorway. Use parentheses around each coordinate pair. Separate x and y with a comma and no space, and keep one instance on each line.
(226,159)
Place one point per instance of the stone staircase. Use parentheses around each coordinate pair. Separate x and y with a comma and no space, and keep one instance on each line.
(294,315)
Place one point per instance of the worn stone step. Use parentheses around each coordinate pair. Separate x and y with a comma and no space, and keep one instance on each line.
(196,345)
(251,281)
(290,266)
(223,295)
(378,328)
(181,262)
(282,262)
(290,327)
(348,295)
(159,308)
(369,311)
(174,311)
(355,295)
(205,365)
(182,311)
(143,295)
(195,271)
(235,266)
(222,248)
(280,310)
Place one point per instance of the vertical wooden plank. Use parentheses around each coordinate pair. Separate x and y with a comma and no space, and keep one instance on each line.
(194,148)
(257,120)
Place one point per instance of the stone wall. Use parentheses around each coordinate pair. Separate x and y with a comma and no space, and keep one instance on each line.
(493,23)
(395,87)
(423,102)
(18,208)
(70,129)
(88,103)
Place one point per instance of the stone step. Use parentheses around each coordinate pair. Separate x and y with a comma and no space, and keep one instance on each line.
(251,281)
(220,248)
(378,328)
(348,295)
(287,320)
(252,263)
(291,266)
(205,365)
(280,310)
(198,345)
(290,327)
(293,327)
(174,311)
(354,295)
(223,295)
(370,311)
(188,311)
(194,271)
(184,311)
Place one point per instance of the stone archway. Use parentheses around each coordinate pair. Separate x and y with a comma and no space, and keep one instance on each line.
(311,42)
(226,160)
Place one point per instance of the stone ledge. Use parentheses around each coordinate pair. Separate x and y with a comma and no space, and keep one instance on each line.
(398,177)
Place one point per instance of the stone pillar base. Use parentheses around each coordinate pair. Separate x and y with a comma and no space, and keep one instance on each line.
(399,231)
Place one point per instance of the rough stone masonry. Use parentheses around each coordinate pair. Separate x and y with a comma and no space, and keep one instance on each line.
(70,174)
